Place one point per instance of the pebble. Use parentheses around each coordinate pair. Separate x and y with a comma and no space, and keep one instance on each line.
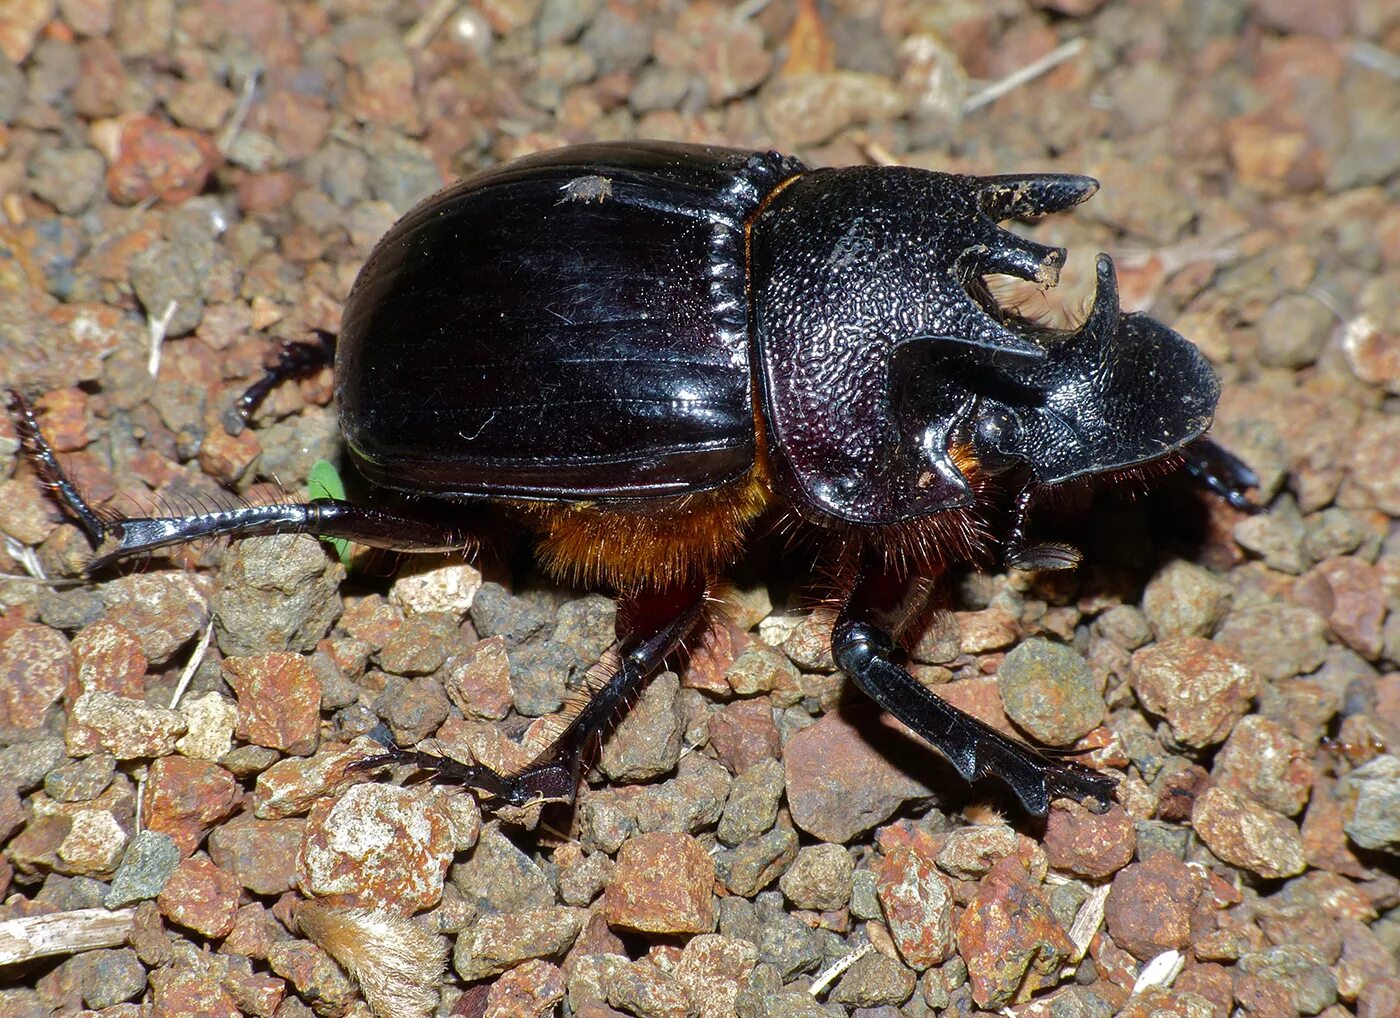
(200,896)
(499,877)
(80,780)
(692,800)
(819,878)
(872,981)
(377,846)
(260,854)
(498,942)
(969,852)
(183,991)
(36,666)
(1048,690)
(1371,804)
(1245,834)
(1200,688)
(1294,331)
(128,729)
(754,864)
(149,861)
(149,159)
(529,990)
(762,669)
(743,734)
(1009,938)
(110,977)
(1305,980)
(721,46)
(1184,599)
(312,974)
(186,798)
(917,902)
(1375,462)
(1348,593)
(477,680)
(1148,909)
(279,594)
(279,701)
(67,178)
(495,611)
(662,884)
(753,801)
(1263,761)
(1276,536)
(435,586)
(1087,844)
(647,742)
(210,720)
(807,109)
(840,785)
(711,969)
(291,787)
(108,659)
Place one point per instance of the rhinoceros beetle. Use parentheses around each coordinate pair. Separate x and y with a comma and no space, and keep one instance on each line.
(643,350)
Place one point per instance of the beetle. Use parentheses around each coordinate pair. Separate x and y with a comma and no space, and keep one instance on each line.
(643,350)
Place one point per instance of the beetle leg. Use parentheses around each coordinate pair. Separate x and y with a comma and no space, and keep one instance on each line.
(864,650)
(1221,471)
(1044,555)
(651,626)
(120,537)
(296,357)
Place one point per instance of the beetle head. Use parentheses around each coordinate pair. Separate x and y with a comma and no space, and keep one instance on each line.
(1118,392)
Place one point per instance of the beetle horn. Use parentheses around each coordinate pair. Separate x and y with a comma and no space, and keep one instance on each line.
(1016,256)
(1102,320)
(1016,195)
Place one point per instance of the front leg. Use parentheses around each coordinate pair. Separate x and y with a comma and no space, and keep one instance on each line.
(864,648)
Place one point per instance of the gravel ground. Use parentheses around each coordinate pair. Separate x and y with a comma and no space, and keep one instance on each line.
(214,172)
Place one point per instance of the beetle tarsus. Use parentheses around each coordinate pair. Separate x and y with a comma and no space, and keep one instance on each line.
(296,357)
(975,749)
(37,450)
(1217,469)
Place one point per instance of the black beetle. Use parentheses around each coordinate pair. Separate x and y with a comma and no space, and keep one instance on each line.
(642,349)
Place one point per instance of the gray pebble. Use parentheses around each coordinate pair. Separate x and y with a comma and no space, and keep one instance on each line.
(402,173)
(279,593)
(1275,536)
(1302,975)
(112,976)
(874,980)
(1277,640)
(1372,793)
(27,763)
(81,780)
(1293,331)
(173,271)
(784,941)
(291,447)
(496,611)
(647,743)
(753,802)
(1184,599)
(819,878)
(12,89)
(563,20)
(1049,692)
(747,868)
(865,900)
(500,878)
(66,178)
(617,42)
(149,862)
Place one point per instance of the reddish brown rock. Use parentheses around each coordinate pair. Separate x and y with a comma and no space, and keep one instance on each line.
(1149,908)
(1266,763)
(128,729)
(1245,834)
(706,664)
(1086,844)
(36,666)
(969,852)
(477,681)
(109,659)
(1347,593)
(200,896)
(157,160)
(378,846)
(254,932)
(917,902)
(711,970)
(530,990)
(663,883)
(743,733)
(497,942)
(184,798)
(279,700)
(1199,688)
(260,854)
(291,787)
(163,610)
(1008,936)
(313,973)
(178,992)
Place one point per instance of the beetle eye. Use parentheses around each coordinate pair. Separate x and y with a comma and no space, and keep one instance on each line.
(996,436)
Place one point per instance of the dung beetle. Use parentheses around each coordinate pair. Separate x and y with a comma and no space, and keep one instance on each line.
(646,350)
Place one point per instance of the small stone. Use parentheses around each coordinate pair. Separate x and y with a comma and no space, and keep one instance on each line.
(1048,690)
(128,729)
(291,787)
(1294,331)
(529,990)
(200,896)
(477,680)
(448,588)
(93,844)
(210,720)
(761,669)
(1371,804)
(498,942)
(279,701)
(1277,641)
(1199,688)
(112,976)
(1185,600)
(377,846)
(754,864)
(177,992)
(278,593)
(260,854)
(819,878)
(500,878)
(1263,761)
(80,780)
(874,980)
(742,734)
(1087,844)
(1306,980)
(710,972)
(1375,462)
(109,659)
(581,877)
(986,630)
(1348,593)
(36,665)
(186,798)
(174,272)
(156,160)
(969,852)
(1009,937)
(720,45)
(806,109)
(150,860)
(647,743)
(840,785)
(312,973)
(1247,835)
(1148,910)
(808,643)
(917,902)
(420,645)
(496,612)
(753,801)
(663,884)
(1275,536)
